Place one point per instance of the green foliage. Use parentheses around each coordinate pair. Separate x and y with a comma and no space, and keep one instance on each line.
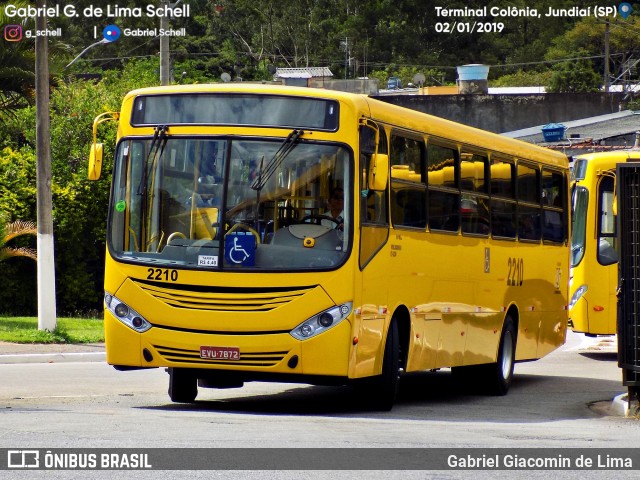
(633,104)
(574,77)
(68,330)
(380,38)
(432,76)
(522,79)
(79,206)
(17,79)
(17,184)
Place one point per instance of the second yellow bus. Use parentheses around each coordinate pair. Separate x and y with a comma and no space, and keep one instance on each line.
(594,257)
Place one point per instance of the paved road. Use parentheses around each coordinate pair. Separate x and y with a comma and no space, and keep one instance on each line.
(562,401)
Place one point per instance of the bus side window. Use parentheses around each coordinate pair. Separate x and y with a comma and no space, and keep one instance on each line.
(408,189)
(373,205)
(474,199)
(553,201)
(503,205)
(444,195)
(528,192)
(607,240)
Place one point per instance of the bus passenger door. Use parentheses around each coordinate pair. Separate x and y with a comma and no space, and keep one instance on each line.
(372,291)
(607,256)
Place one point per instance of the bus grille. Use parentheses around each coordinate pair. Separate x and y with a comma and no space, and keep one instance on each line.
(224,299)
(252,359)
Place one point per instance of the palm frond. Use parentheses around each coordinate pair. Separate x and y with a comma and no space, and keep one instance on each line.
(19,228)
(10,252)
(9,104)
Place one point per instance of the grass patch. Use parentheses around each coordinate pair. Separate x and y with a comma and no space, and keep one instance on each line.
(68,330)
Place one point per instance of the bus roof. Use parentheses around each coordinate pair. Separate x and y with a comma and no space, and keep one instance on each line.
(629,154)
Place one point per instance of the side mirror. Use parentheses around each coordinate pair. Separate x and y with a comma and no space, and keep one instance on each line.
(378,172)
(95,155)
(95,161)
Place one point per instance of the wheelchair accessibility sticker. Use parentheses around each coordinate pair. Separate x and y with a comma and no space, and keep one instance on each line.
(240,249)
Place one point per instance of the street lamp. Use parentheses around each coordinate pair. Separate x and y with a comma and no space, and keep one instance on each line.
(104,40)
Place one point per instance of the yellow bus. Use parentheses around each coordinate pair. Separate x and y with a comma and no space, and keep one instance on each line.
(594,258)
(223,265)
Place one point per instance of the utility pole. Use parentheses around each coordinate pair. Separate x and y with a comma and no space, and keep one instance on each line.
(344,44)
(606,56)
(165,60)
(165,75)
(46,264)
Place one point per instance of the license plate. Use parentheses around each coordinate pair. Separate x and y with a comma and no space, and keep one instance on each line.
(220,353)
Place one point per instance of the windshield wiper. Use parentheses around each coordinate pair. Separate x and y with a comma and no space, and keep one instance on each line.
(158,143)
(285,149)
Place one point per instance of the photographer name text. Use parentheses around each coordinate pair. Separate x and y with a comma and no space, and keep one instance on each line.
(91,11)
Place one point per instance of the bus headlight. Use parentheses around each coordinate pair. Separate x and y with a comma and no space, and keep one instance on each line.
(577,295)
(322,322)
(126,314)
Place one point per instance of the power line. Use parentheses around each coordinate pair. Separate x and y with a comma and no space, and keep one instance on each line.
(369,64)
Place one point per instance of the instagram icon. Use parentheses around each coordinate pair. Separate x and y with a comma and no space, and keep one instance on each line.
(13,33)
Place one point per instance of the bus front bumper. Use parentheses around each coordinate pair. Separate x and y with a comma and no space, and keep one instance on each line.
(326,354)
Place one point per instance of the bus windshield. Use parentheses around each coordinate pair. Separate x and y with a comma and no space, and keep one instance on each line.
(580,202)
(229,203)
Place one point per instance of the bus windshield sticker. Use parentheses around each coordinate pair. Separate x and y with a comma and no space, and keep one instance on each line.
(240,249)
(207,260)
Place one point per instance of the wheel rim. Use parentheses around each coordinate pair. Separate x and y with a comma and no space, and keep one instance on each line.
(507,355)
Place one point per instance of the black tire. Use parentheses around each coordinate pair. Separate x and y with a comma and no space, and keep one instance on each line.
(498,375)
(183,385)
(384,388)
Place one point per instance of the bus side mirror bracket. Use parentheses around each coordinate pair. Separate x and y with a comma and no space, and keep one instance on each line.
(378,172)
(96,152)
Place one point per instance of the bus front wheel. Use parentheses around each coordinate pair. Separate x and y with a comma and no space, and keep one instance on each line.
(380,392)
(183,385)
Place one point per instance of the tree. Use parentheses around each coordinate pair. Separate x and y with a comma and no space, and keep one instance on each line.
(17,59)
(79,206)
(17,79)
(521,78)
(574,77)
(587,39)
(9,231)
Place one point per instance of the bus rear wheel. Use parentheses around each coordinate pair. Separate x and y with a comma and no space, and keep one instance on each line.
(183,385)
(499,375)
(492,378)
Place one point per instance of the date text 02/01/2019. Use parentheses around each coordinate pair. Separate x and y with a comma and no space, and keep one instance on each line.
(469,27)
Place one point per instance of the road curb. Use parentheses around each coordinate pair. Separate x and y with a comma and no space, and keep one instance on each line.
(53,357)
(621,407)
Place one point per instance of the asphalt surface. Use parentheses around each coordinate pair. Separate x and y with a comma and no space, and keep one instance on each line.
(95,352)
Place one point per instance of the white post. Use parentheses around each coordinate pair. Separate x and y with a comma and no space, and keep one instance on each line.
(46,266)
